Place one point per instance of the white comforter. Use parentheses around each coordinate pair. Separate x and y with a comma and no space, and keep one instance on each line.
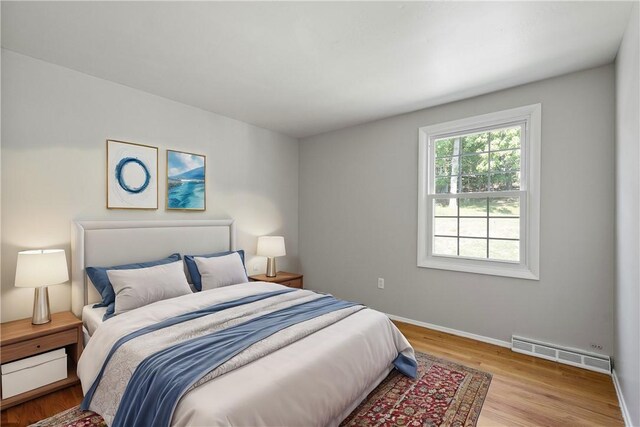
(317,380)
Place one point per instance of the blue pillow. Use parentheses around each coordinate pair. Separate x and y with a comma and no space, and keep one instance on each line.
(100,280)
(193,268)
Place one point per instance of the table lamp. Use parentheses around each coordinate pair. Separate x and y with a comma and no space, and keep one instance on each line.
(271,247)
(39,269)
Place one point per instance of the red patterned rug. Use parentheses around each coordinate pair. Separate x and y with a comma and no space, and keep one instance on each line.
(444,394)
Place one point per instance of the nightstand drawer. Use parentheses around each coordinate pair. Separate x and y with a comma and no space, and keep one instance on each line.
(295,283)
(39,345)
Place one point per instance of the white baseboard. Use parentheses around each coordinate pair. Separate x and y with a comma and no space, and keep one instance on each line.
(623,405)
(482,338)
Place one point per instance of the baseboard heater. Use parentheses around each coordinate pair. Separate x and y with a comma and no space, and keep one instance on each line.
(568,356)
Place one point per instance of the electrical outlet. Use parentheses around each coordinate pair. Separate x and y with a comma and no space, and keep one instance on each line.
(256,268)
(596,346)
(380,283)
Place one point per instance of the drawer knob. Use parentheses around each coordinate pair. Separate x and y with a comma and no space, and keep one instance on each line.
(38,346)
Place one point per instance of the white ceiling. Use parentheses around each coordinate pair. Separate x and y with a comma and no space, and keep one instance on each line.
(303,68)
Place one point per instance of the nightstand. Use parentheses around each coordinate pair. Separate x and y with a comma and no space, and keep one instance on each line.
(292,280)
(21,339)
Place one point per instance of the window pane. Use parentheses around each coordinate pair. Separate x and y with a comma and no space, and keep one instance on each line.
(476,248)
(443,184)
(505,181)
(475,143)
(473,207)
(473,227)
(504,250)
(446,226)
(445,245)
(504,206)
(508,228)
(446,207)
(474,183)
(444,147)
(505,161)
(505,139)
(474,164)
(443,166)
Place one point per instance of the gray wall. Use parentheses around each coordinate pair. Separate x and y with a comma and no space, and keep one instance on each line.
(55,123)
(358,219)
(627,320)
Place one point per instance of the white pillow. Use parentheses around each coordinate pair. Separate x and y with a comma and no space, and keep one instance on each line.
(221,271)
(142,286)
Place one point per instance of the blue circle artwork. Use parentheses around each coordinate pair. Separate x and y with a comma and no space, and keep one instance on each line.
(120,166)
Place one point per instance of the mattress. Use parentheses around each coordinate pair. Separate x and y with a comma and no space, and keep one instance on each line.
(92,318)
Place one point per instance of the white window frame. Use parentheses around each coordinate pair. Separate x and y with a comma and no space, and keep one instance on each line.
(528,268)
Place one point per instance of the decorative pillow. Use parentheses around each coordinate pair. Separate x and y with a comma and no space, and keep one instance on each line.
(143,286)
(193,268)
(100,280)
(225,270)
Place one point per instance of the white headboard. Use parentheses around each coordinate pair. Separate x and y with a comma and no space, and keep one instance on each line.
(106,243)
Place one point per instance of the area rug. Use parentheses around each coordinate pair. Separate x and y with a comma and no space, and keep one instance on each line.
(443,394)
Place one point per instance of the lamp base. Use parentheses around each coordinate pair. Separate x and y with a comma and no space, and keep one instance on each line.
(271,267)
(41,312)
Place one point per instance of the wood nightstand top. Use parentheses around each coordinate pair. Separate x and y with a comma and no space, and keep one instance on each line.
(20,330)
(281,276)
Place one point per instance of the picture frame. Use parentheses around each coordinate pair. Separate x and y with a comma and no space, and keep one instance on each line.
(132,175)
(186,181)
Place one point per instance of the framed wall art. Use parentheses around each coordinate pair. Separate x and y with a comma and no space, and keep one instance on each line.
(186,183)
(132,175)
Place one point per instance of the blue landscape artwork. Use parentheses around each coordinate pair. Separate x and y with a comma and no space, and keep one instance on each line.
(185,181)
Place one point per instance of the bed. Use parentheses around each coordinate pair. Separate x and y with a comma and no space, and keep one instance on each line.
(312,373)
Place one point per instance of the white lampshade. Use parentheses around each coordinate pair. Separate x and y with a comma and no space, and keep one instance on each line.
(41,268)
(271,246)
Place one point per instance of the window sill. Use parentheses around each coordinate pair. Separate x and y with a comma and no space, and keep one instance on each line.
(518,271)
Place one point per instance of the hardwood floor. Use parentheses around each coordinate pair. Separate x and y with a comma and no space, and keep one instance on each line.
(42,407)
(525,391)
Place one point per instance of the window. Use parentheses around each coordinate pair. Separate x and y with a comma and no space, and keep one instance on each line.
(478,207)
